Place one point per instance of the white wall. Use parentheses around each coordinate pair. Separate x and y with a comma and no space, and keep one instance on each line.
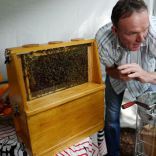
(37,21)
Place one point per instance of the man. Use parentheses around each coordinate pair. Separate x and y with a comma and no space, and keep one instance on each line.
(127,48)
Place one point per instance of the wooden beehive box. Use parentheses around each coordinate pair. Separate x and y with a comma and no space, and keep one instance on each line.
(58,103)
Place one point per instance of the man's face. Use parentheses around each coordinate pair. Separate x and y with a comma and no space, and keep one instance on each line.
(132,30)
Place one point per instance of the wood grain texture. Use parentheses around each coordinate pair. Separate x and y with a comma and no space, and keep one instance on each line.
(19,50)
(65,121)
(30,45)
(17,94)
(71,141)
(97,75)
(53,100)
(55,42)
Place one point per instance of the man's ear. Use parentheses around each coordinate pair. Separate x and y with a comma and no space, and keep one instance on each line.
(115,31)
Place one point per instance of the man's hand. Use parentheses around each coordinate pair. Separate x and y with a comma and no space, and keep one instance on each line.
(116,74)
(124,77)
(135,72)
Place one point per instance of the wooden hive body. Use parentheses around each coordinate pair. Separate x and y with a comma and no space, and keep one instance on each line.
(52,123)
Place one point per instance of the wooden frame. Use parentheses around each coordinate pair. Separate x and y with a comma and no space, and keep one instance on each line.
(52,123)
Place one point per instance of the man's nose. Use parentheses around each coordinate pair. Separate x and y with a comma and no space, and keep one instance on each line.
(140,38)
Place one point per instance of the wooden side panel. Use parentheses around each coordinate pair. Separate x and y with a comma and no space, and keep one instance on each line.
(28,94)
(54,100)
(65,125)
(68,143)
(97,75)
(17,94)
(90,66)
